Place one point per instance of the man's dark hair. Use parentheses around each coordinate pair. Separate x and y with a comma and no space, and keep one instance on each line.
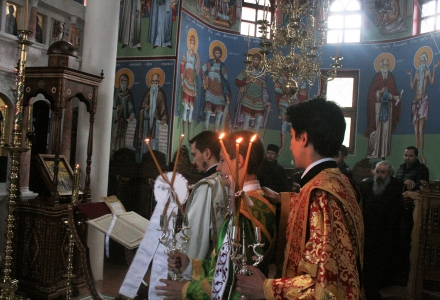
(217,48)
(416,151)
(256,156)
(207,139)
(323,121)
(343,150)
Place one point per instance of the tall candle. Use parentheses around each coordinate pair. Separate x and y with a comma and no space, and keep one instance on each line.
(237,152)
(76,178)
(5,112)
(177,159)
(147,141)
(26,14)
(30,117)
(246,162)
(228,161)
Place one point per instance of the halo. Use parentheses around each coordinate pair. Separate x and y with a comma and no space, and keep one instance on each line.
(127,72)
(193,32)
(380,57)
(419,52)
(154,71)
(162,189)
(253,51)
(222,46)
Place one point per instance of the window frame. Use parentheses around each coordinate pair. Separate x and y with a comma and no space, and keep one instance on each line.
(435,16)
(343,14)
(257,7)
(349,112)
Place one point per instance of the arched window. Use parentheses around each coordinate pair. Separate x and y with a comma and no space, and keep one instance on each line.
(344,22)
(430,16)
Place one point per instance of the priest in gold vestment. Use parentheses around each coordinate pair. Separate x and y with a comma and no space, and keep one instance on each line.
(323,224)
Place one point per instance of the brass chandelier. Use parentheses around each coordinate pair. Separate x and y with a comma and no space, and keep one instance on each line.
(294,53)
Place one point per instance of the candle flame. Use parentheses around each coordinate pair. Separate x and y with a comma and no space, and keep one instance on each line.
(147,141)
(182,135)
(77,166)
(222,136)
(238,141)
(253,138)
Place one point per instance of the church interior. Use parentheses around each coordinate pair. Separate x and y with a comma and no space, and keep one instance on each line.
(70,138)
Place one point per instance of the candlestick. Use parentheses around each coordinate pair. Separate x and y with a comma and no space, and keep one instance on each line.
(177,159)
(237,151)
(30,118)
(246,162)
(26,14)
(228,161)
(147,141)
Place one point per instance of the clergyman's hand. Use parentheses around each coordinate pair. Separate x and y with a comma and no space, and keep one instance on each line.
(271,195)
(251,286)
(410,185)
(178,261)
(172,289)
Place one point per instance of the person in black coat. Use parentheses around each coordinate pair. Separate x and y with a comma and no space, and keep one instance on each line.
(271,174)
(382,207)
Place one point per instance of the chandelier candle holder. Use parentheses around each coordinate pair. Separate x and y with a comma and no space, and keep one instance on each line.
(174,191)
(293,54)
(8,285)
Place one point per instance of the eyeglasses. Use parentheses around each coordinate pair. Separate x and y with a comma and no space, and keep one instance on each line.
(381,171)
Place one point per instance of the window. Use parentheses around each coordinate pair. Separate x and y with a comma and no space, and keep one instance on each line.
(344,91)
(430,17)
(253,11)
(344,22)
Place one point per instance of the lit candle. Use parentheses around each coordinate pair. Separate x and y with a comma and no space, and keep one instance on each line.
(246,162)
(30,117)
(76,178)
(26,14)
(5,111)
(177,159)
(147,141)
(228,161)
(237,152)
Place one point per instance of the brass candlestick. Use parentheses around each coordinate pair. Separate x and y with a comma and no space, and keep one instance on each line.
(9,285)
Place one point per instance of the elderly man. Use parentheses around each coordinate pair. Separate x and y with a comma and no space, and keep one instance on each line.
(123,110)
(152,113)
(420,104)
(382,211)
(324,228)
(384,110)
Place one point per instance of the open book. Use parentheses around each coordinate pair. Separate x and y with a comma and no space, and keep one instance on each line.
(128,228)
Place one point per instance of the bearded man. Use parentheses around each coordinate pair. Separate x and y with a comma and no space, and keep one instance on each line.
(382,212)
(123,110)
(420,103)
(383,99)
(152,112)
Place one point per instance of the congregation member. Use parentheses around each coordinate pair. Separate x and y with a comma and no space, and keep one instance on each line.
(340,162)
(215,278)
(206,211)
(324,227)
(271,174)
(382,208)
(411,172)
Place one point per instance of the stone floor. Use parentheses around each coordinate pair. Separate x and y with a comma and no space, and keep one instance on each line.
(114,273)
